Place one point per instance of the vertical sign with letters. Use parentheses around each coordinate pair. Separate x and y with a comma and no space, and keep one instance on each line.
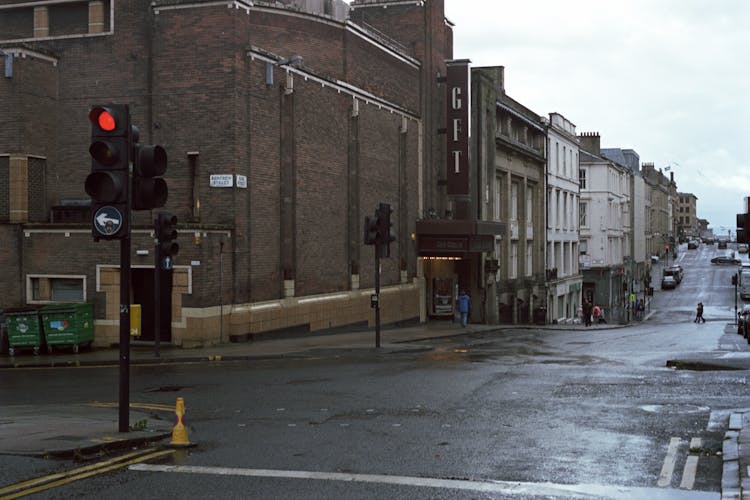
(458,130)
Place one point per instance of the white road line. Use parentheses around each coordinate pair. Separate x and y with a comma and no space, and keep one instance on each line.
(667,470)
(497,487)
(691,466)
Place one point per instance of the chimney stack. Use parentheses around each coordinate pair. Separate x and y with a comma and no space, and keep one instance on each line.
(591,142)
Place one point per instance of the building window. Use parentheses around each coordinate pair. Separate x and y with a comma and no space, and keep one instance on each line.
(514,201)
(513,264)
(582,214)
(496,201)
(46,289)
(529,259)
(582,177)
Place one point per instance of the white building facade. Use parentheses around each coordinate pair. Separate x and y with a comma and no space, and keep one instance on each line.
(605,229)
(563,278)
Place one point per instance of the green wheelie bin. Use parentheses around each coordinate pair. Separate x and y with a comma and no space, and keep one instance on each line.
(24,329)
(68,324)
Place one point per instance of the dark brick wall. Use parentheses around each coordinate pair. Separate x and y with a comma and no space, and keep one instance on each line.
(10,266)
(17,23)
(4,189)
(69,19)
(37,188)
(192,88)
(330,51)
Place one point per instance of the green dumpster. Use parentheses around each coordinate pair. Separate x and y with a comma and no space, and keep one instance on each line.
(68,324)
(24,329)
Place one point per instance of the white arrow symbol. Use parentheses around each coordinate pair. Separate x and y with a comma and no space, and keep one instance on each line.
(102,220)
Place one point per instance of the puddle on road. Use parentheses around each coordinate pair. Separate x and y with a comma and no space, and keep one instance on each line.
(674,408)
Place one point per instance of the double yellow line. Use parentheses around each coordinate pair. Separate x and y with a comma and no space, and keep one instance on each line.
(61,478)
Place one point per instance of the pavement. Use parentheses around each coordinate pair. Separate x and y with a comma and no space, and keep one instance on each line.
(85,430)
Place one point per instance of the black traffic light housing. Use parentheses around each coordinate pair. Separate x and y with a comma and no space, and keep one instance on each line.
(371,230)
(385,231)
(108,183)
(743,228)
(165,227)
(149,189)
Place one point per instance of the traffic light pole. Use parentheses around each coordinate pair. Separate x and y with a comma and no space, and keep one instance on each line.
(124,334)
(377,293)
(157,292)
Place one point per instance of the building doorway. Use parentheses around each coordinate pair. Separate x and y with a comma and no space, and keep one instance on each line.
(143,294)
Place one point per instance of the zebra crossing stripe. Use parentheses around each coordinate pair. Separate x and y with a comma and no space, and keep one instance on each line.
(667,470)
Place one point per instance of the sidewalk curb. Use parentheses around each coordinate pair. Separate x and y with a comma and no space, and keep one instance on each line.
(731,482)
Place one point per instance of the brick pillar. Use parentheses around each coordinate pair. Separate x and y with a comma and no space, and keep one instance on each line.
(18,183)
(41,22)
(96,16)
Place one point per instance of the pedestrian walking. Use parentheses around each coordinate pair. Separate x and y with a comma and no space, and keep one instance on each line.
(597,312)
(464,306)
(699,314)
(587,313)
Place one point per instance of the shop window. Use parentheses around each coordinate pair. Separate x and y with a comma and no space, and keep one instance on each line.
(45,289)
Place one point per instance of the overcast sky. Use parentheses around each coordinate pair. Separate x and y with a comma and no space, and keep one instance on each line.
(667,78)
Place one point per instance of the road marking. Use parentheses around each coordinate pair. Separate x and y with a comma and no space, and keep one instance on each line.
(496,487)
(38,484)
(667,470)
(137,406)
(691,466)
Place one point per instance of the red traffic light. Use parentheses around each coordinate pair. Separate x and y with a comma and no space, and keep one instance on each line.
(110,119)
(666,247)
(102,117)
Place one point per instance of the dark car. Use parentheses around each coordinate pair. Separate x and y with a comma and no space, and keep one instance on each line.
(692,245)
(725,259)
(742,320)
(668,283)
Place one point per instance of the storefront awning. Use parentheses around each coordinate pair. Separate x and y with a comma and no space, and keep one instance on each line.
(456,238)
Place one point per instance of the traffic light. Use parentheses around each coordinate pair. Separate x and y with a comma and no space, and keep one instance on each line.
(743,228)
(166,233)
(371,230)
(107,184)
(385,231)
(149,189)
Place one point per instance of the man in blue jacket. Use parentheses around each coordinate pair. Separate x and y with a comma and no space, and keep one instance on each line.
(464,304)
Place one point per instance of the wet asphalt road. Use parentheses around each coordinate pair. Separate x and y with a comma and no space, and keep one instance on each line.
(517,414)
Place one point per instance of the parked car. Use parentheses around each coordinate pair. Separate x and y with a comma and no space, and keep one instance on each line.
(722,244)
(726,259)
(742,247)
(692,245)
(675,271)
(742,320)
(668,283)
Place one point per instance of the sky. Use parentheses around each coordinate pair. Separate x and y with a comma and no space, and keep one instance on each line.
(669,79)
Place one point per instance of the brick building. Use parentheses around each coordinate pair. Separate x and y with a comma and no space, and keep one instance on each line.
(315,111)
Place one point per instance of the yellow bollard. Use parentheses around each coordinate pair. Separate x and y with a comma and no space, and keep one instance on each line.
(179,431)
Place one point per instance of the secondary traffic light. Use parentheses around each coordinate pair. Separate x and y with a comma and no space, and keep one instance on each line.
(743,228)
(166,234)
(371,230)
(149,189)
(107,184)
(385,231)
